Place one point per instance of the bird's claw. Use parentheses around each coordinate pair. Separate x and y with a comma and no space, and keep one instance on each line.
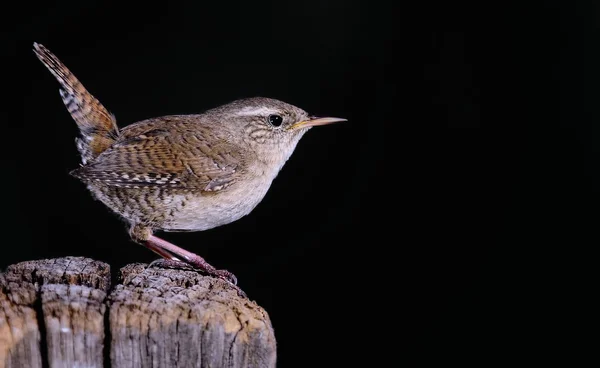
(227,276)
(170,263)
(173,263)
(221,274)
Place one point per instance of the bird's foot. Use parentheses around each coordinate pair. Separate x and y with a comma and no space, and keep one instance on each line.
(176,257)
(191,266)
(199,263)
(210,270)
(171,263)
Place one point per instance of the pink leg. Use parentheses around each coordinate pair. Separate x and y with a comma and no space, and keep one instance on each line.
(159,251)
(175,255)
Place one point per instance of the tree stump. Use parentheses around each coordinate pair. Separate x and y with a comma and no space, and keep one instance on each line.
(63,313)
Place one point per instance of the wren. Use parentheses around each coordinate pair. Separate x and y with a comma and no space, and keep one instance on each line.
(181,172)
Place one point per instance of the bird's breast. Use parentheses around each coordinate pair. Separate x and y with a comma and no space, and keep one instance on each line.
(172,209)
(203,211)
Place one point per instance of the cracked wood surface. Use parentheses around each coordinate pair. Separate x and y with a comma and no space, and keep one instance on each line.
(63,313)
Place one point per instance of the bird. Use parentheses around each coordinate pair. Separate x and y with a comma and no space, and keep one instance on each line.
(181,172)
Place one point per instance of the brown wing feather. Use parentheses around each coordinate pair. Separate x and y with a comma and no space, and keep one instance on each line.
(149,154)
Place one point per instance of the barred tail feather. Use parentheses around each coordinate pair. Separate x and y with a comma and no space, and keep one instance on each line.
(97,126)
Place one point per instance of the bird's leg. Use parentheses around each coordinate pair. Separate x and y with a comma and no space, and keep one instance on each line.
(167,256)
(187,258)
(191,261)
(175,256)
(141,234)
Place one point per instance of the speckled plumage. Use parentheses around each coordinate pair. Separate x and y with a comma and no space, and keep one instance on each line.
(181,172)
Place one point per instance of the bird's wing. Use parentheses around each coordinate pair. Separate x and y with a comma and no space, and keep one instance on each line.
(161,156)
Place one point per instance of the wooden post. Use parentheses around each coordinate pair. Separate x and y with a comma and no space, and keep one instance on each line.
(63,313)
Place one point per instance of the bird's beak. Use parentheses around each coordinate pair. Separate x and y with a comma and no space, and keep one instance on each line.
(314,121)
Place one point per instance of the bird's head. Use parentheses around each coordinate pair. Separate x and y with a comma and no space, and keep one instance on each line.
(271,128)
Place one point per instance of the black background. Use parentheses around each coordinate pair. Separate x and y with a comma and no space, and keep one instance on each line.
(449,218)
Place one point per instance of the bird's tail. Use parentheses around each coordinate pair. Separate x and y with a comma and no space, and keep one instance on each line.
(97,126)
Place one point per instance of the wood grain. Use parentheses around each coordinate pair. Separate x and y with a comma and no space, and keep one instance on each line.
(63,313)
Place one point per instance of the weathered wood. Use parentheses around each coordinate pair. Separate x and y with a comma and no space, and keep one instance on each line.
(19,332)
(67,295)
(156,318)
(174,318)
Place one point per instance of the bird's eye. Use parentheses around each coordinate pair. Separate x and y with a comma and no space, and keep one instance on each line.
(275,120)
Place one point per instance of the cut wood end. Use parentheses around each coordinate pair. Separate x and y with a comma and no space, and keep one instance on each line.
(157,316)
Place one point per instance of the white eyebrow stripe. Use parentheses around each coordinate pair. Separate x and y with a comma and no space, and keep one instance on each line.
(256,111)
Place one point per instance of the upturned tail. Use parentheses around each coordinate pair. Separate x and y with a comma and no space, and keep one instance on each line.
(98,127)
